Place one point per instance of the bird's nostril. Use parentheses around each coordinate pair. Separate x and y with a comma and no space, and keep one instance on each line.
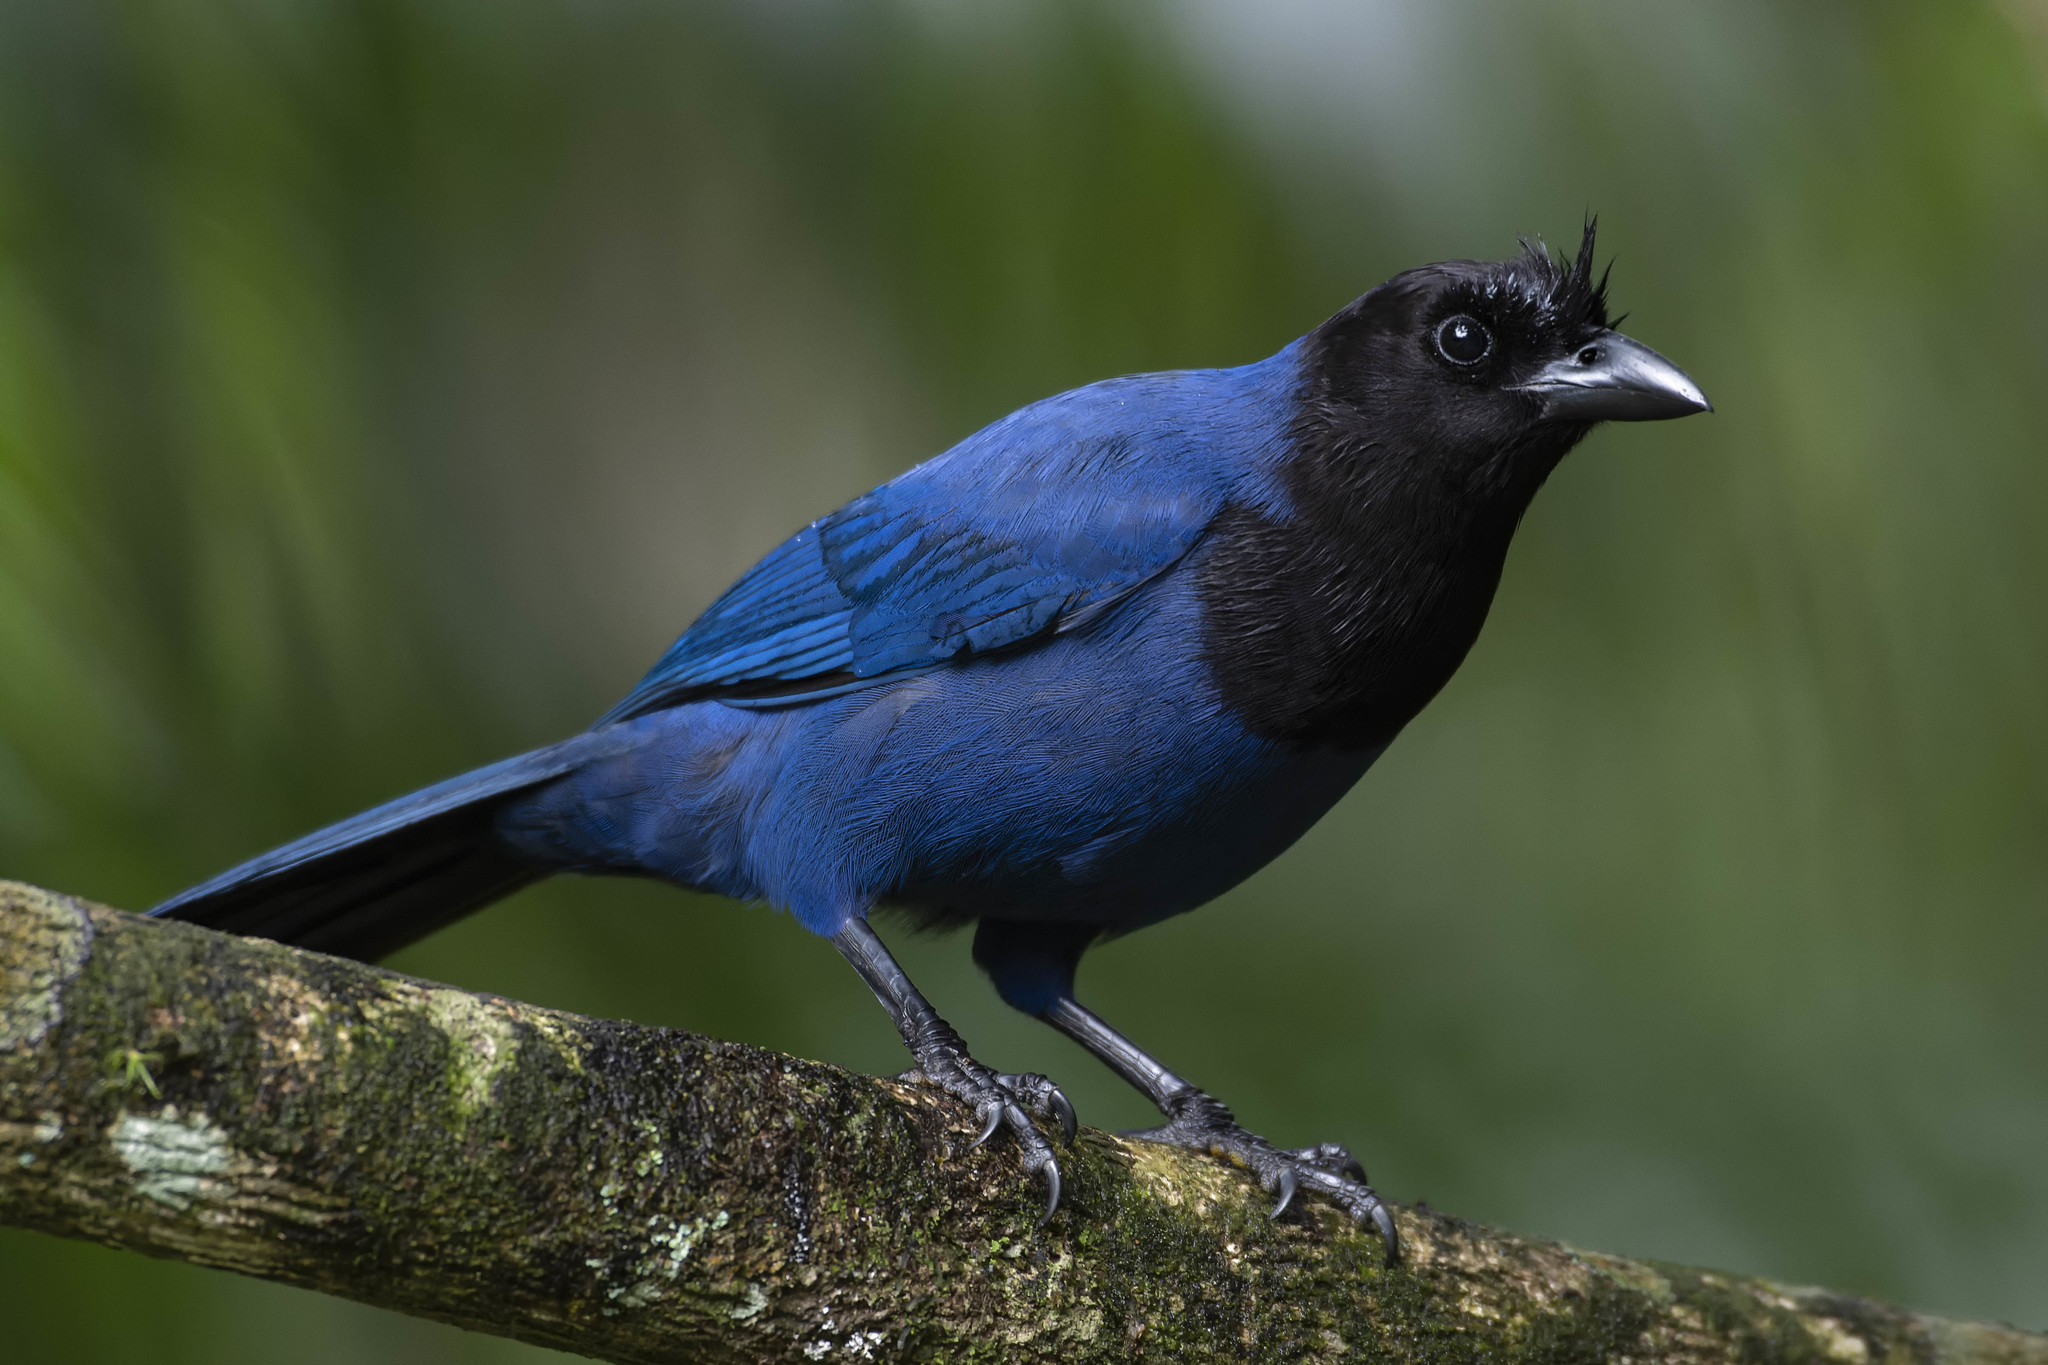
(1589,354)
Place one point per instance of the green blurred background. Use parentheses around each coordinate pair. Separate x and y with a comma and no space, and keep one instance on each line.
(383,385)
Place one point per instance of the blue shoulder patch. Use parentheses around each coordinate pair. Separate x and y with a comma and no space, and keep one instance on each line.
(1036,524)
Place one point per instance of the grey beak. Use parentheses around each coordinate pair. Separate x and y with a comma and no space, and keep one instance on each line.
(1614,379)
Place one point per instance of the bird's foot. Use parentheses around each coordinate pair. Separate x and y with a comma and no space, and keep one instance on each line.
(1204,1124)
(1002,1101)
(1045,1101)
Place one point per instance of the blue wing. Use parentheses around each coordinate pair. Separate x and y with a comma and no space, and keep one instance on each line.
(1033,526)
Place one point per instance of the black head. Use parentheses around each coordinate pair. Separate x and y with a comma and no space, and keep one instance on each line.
(1488,370)
(1430,412)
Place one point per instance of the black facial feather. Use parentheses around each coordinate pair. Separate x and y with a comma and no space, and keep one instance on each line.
(1336,624)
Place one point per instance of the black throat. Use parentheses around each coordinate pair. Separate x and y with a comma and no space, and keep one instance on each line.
(1335,625)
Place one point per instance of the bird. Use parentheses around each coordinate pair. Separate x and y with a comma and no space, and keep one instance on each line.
(1084,671)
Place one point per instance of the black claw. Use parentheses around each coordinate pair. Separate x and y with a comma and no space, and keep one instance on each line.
(1052,1191)
(1347,1164)
(1335,1159)
(1199,1123)
(1384,1221)
(1288,1183)
(995,1118)
(1043,1099)
(1064,1112)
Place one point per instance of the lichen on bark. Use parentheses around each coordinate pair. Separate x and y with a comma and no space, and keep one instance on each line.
(641,1194)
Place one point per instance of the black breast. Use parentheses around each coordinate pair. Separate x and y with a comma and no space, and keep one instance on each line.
(1337,624)
(1314,642)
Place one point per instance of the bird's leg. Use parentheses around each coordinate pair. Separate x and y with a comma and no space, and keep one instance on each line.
(1201,1122)
(942,1059)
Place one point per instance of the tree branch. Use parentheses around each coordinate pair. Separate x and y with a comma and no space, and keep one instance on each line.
(643,1194)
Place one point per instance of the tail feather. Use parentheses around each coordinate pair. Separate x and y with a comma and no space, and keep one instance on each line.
(375,882)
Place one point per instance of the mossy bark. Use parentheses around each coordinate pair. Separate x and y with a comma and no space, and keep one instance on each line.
(642,1194)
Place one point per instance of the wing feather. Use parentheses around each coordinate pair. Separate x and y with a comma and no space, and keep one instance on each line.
(1040,523)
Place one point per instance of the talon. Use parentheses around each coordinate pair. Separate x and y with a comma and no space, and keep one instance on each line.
(1347,1164)
(1064,1112)
(1333,1158)
(988,1130)
(1288,1183)
(1384,1221)
(1044,1100)
(1052,1191)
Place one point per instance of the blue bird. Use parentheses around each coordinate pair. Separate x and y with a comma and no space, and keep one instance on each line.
(1089,668)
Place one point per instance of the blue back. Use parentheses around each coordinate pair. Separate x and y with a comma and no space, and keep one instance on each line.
(1035,525)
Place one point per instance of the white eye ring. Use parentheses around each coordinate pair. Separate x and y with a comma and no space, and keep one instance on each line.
(1463,340)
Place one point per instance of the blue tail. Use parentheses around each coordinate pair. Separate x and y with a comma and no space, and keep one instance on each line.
(375,882)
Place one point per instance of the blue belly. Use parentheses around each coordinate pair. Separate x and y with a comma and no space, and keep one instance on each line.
(1075,781)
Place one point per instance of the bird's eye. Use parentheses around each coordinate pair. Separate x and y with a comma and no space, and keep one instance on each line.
(1463,340)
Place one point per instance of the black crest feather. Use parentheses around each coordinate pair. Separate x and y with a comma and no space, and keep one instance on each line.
(1564,288)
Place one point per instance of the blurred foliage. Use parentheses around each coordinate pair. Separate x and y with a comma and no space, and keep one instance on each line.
(382,386)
